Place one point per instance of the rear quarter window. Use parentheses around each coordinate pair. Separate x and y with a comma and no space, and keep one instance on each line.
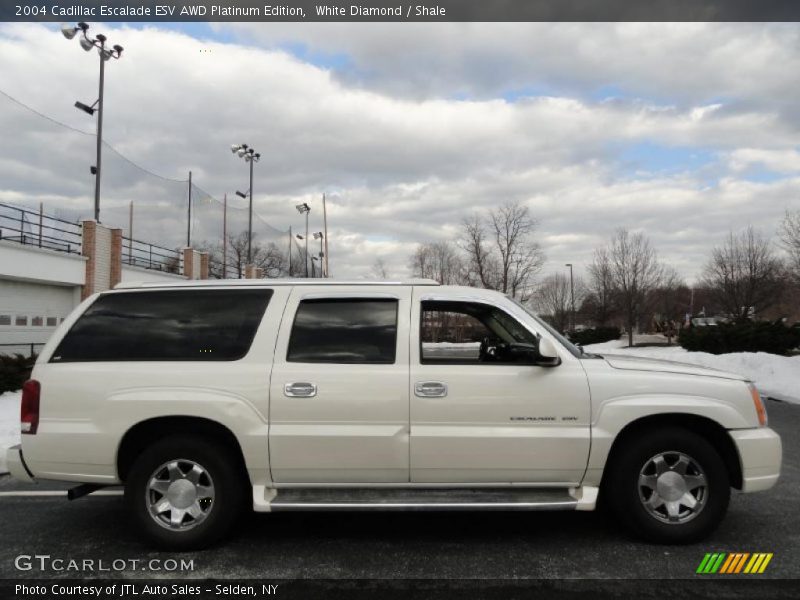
(175,325)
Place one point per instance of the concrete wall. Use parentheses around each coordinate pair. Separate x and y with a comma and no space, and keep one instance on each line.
(30,263)
(133,274)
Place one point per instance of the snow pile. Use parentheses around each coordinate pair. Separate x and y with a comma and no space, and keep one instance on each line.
(775,376)
(9,424)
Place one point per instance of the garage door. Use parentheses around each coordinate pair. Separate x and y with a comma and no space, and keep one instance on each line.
(30,312)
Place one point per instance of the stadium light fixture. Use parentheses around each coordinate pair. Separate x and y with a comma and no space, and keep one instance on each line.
(106,54)
(250,156)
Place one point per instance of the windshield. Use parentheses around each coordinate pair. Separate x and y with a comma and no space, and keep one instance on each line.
(574,350)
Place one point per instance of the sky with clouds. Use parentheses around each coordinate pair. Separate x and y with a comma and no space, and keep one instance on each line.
(683,131)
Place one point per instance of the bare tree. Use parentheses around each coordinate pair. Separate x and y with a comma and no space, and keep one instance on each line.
(670,301)
(790,239)
(744,274)
(439,261)
(481,266)
(553,300)
(501,252)
(600,293)
(269,257)
(379,270)
(635,272)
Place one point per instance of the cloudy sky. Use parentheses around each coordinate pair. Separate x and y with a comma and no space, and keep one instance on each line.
(683,131)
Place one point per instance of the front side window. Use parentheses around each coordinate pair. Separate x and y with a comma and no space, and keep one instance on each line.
(471,332)
(344,330)
(177,325)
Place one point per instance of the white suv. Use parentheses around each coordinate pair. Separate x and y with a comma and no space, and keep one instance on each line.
(326,395)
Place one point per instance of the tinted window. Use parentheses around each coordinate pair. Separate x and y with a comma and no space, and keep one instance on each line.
(203,325)
(344,331)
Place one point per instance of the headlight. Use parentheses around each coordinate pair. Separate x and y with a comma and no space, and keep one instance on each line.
(761,410)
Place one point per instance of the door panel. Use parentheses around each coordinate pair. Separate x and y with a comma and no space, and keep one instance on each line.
(497,423)
(353,426)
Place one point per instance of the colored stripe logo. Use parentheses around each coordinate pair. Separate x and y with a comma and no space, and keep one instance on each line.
(730,563)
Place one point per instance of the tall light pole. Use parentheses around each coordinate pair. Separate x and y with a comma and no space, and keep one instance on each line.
(571,295)
(87,43)
(304,208)
(325,229)
(318,235)
(250,156)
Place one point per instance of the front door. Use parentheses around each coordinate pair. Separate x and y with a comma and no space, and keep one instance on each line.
(481,413)
(339,387)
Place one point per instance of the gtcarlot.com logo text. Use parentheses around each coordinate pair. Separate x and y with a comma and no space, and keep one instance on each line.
(46,562)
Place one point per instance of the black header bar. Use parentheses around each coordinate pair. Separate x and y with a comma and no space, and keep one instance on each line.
(400,10)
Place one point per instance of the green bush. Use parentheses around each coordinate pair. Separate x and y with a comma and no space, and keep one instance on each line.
(598,335)
(749,336)
(14,371)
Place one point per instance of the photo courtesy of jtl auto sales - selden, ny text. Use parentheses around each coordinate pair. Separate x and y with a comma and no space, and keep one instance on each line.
(376,299)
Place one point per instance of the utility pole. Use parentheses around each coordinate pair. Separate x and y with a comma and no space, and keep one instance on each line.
(290,250)
(308,211)
(250,219)
(225,236)
(189,218)
(87,44)
(130,233)
(102,39)
(251,156)
(572,296)
(326,270)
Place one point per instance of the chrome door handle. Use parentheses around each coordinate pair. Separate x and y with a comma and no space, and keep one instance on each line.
(430,389)
(300,389)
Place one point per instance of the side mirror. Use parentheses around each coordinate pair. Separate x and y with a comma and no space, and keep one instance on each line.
(547,354)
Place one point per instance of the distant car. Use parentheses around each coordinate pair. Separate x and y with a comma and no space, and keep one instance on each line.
(707,321)
(204,397)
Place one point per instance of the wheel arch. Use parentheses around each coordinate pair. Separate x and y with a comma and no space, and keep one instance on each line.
(707,428)
(144,433)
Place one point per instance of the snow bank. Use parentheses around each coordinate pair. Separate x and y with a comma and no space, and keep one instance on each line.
(9,424)
(775,376)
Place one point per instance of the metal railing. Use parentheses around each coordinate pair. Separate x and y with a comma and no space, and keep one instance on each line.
(26,345)
(151,256)
(34,228)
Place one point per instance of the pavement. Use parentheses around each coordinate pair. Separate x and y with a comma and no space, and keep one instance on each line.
(410,545)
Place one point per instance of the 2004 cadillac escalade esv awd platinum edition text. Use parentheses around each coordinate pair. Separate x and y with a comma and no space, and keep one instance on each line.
(203,398)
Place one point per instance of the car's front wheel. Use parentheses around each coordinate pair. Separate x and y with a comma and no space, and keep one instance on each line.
(184,492)
(668,486)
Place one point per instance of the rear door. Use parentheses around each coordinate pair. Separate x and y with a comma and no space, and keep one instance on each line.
(339,388)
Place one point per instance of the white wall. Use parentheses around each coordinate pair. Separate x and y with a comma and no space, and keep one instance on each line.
(30,263)
(134,274)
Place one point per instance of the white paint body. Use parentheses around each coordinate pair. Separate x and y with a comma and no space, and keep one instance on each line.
(498,425)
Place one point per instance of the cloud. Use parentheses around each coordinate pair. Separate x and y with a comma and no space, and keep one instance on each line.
(402,156)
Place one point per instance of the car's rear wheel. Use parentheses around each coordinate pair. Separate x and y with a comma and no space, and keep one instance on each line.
(185,492)
(668,486)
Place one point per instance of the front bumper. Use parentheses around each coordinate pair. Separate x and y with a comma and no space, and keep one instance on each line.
(760,457)
(16,464)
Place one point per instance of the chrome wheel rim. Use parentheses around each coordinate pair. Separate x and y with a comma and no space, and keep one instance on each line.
(673,488)
(180,494)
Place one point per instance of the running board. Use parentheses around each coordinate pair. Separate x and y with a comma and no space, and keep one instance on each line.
(413,499)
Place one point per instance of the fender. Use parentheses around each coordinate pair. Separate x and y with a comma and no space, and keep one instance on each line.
(614,414)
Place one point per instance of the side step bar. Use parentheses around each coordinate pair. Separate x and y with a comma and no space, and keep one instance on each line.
(414,499)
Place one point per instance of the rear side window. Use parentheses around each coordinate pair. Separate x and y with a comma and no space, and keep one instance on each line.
(351,331)
(197,325)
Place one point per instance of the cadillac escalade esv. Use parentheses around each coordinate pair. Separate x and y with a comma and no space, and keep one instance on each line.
(203,398)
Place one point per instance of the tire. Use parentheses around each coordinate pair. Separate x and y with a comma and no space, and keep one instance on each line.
(185,493)
(648,480)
